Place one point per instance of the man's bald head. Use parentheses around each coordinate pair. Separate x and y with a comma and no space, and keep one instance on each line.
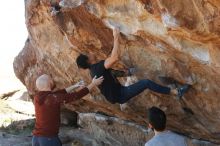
(44,83)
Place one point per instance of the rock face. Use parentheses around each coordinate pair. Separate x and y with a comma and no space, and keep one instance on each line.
(175,38)
(112,131)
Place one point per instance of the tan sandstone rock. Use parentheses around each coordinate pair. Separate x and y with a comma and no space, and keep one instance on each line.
(175,38)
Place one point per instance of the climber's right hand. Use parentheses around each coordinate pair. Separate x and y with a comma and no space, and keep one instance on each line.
(116,32)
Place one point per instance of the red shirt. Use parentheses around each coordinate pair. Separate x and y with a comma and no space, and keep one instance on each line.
(47,110)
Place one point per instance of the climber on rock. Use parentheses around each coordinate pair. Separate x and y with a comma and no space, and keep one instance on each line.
(110,87)
(157,122)
(47,108)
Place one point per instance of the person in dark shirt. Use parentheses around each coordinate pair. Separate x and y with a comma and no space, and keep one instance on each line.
(111,87)
(47,105)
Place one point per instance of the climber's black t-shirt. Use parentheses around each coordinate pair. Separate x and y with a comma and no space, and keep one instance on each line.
(110,87)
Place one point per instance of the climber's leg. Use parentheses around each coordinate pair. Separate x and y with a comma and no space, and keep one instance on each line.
(135,89)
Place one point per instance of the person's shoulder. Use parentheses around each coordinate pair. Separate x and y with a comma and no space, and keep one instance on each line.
(98,65)
(146,144)
(151,142)
(41,94)
(175,136)
(40,97)
(36,96)
(61,91)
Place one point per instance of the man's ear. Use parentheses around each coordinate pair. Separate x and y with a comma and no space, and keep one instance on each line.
(150,126)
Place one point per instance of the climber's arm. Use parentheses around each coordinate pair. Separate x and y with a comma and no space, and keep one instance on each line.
(110,61)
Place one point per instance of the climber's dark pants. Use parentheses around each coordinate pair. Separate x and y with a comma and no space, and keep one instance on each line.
(46,141)
(135,89)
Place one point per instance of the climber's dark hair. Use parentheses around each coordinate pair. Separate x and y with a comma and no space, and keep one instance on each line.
(82,61)
(157,118)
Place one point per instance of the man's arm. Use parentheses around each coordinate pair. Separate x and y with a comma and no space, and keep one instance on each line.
(69,97)
(110,61)
(75,86)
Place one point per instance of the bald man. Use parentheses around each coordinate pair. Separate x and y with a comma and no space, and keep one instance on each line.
(47,108)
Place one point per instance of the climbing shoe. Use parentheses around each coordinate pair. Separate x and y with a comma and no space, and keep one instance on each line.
(182,90)
(54,12)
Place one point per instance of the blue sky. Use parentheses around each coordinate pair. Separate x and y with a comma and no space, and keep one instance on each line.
(13,34)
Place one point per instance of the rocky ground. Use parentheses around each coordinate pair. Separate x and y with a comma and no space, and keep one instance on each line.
(91,129)
(16,125)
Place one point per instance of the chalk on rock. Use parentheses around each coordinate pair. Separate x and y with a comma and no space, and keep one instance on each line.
(111,24)
(121,25)
(71,3)
(168,20)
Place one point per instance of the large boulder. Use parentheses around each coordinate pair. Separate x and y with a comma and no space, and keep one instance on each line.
(178,39)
